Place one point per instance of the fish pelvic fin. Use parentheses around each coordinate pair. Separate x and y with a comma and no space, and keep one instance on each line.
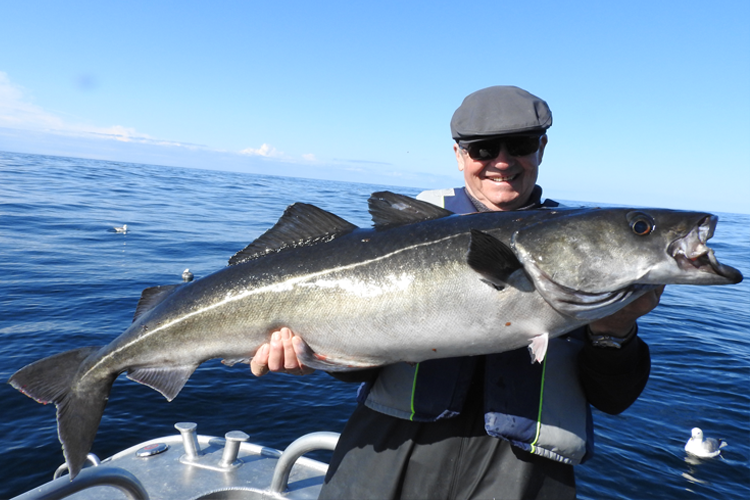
(324,363)
(538,348)
(79,409)
(168,380)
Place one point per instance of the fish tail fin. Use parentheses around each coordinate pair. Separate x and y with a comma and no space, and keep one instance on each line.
(54,380)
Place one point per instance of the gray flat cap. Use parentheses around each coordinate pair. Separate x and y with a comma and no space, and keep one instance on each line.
(499,110)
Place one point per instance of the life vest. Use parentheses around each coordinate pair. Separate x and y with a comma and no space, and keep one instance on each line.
(538,407)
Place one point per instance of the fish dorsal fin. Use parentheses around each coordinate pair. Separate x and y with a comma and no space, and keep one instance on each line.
(301,225)
(391,209)
(151,297)
(491,258)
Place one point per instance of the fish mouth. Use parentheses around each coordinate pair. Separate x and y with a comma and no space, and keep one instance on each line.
(693,254)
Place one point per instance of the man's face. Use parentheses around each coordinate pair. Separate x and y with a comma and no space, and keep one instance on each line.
(502,183)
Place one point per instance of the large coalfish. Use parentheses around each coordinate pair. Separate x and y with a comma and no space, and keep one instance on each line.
(423,283)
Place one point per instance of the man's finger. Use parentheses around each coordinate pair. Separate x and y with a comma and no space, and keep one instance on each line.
(291,364)
(276,353)
(258,370)
(259,363)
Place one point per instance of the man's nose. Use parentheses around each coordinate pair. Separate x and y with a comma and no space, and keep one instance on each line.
(503,157)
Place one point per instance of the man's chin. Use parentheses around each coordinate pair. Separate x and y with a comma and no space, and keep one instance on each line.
(500,193)
(509,201)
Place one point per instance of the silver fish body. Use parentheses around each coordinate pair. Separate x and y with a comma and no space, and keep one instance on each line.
(421,284)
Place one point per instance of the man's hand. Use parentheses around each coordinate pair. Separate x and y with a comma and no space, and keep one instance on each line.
(622,322)
(280,356)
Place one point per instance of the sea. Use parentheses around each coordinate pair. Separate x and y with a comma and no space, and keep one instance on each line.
(68,280)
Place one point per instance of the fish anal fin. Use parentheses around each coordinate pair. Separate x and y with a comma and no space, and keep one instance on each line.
(391,209)
(152,297)
(234,361)
(538,348)
(168,380)
(317,361)
(491,258)
(300,225)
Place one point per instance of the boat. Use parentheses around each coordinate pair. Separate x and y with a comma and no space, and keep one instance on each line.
(189,466)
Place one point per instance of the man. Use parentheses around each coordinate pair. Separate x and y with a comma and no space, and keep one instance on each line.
(491,426)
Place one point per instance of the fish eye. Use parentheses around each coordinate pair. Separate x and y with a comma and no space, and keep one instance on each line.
(641,227)
(641,223)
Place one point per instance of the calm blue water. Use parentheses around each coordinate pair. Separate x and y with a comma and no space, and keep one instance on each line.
(67,280)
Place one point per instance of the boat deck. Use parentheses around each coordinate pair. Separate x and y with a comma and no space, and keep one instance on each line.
(189,466)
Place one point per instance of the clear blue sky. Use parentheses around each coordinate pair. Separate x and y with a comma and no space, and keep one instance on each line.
(651,99)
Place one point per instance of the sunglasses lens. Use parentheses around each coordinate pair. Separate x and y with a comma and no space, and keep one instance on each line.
(484,150)
(521,145)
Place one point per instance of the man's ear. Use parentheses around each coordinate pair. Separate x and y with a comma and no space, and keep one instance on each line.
(459,156)
(542,146)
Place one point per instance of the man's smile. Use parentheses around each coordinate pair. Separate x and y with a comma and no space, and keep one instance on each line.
(502,178)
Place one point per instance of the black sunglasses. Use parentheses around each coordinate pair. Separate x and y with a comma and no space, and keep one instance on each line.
(517,145)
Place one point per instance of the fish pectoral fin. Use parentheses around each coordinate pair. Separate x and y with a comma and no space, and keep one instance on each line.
(168,380)
(151,297)
(332,363)
(391,209)
(491,258)
(538,348)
